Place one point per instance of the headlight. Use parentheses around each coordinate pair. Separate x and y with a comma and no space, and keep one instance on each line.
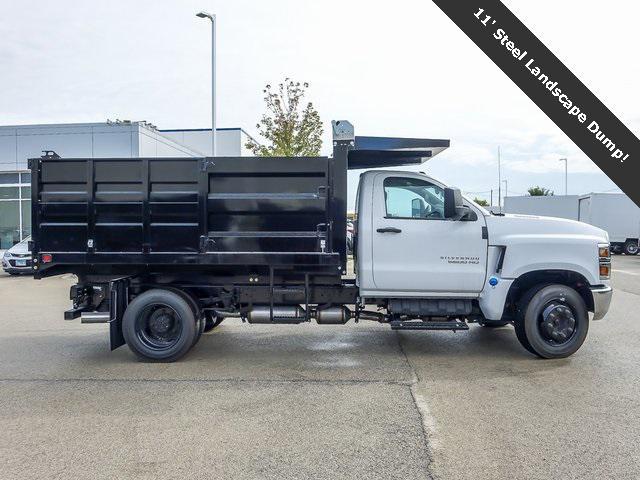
(604,261)
(7,255)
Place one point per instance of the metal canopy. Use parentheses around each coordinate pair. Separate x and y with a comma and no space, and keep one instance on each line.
(379,152)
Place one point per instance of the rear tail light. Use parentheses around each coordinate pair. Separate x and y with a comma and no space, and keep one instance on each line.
(46,258)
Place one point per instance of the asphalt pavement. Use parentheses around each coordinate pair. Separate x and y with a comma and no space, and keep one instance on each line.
(355,401)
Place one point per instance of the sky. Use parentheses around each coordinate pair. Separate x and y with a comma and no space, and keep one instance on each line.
(398,68)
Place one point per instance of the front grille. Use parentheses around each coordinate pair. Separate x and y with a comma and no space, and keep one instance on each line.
(13,263)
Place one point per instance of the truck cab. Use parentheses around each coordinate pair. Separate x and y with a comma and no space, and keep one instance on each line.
(424,249)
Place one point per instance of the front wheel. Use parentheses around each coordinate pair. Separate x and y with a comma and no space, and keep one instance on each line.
(631,247)
(159,325)
(552,321)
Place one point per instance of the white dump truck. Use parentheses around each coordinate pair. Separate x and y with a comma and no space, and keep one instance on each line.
(167,248)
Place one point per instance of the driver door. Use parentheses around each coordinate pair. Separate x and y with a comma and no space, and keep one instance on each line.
(415,249)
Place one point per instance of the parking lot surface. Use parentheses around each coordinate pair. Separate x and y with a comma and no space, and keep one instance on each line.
(358,401)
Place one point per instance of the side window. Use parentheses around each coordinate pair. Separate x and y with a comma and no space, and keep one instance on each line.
(413,198)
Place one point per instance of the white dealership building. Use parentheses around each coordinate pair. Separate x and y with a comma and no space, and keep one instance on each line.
(91,140)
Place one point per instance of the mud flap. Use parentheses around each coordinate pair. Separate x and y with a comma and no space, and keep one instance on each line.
(119,294)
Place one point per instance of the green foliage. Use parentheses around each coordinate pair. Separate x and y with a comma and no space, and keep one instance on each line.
(482,202)
(538,191)
(290,129)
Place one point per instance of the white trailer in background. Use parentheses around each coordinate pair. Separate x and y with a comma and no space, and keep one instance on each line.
(615,213)
(560,206)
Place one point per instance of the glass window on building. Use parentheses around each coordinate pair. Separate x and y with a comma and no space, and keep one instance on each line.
(8,193)
(9,223)
(8,178)
(26,218)
(15,208)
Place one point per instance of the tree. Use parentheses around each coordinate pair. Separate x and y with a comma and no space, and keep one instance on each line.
(481,202)
(290,129)
(540,192)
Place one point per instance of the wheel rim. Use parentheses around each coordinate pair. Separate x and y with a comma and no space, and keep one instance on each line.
(632,248)
(557,323)
(159,327)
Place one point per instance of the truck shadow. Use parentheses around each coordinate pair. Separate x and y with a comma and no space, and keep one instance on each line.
(369,353)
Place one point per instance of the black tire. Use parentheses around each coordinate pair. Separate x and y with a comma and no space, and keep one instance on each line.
(196,311)
(159,325)
(200,326)
(552,321)
(493,323)
(211,321)
(521,308)
(631,247)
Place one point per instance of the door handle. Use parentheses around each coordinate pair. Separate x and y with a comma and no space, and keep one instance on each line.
(389,230)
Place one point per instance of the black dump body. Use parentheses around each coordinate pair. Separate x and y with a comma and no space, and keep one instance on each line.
(230,217)
(116,216)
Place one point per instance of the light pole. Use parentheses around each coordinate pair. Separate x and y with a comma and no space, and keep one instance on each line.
(213,78)
(499,181)
(566,189)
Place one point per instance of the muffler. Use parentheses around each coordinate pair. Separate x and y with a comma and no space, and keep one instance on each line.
(281,314)
(333,316)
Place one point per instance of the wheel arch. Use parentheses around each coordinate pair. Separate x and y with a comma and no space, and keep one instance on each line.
(527,280)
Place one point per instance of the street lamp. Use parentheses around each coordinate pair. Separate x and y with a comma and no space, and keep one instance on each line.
(213,78)
(565,175)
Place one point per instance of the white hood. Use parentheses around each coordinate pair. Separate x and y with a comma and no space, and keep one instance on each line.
(535,225)
(546,243)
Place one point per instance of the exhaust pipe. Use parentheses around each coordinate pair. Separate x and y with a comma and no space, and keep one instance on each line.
(95,317)
(293,314)
(373,316)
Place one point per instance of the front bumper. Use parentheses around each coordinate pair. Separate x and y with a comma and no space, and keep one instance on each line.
(601,301)
(10,265)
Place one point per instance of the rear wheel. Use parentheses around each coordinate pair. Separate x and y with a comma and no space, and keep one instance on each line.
(159,325)
(631,247)
(552,321)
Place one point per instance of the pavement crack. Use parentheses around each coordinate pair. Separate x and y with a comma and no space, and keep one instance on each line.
(427,423)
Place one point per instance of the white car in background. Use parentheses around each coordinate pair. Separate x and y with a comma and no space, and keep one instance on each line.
(17,259)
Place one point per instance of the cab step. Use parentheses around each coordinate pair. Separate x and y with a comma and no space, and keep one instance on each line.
(420,325)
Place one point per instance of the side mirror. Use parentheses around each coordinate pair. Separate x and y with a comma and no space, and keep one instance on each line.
(454,207)
(452,202)
(417,208)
